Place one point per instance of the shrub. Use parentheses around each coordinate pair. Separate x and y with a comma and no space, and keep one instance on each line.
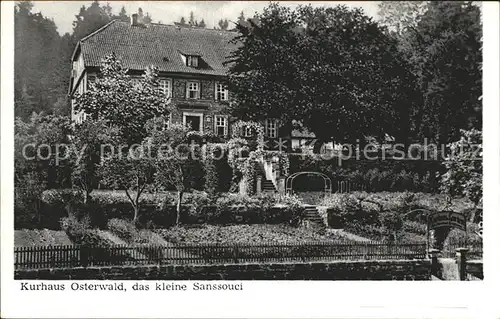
(123,229)
(414,227)
(80,233)
(62,196)
(108,197)
(74,228)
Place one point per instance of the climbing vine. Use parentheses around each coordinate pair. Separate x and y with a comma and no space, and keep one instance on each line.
(243,160)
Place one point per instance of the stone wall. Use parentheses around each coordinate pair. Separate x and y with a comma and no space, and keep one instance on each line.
(337,270)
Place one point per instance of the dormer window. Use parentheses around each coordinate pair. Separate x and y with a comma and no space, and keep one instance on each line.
(192,61)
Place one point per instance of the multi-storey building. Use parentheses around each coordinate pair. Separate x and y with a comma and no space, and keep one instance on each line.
(190,63)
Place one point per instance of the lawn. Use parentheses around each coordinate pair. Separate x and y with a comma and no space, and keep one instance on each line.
(40,237)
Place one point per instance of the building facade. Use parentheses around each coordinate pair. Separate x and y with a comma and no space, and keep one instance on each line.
(190,63)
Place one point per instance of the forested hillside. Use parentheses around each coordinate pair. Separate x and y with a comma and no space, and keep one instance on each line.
(42,56)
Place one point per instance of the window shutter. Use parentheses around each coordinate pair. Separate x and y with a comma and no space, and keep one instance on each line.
(187,92)
(199,92)
(215,90)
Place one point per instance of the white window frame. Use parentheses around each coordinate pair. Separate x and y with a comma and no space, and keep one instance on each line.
(198,85)
(247,131)
(222,90)
(271,126)
(165,89)
(186,114)
(167,123)
(225,124)
(193,61)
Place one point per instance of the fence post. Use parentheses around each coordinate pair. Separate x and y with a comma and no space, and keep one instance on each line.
(84,256)
(235,253)
(461,258)
(435,269)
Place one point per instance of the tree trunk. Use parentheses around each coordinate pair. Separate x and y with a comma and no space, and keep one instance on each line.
(179,201)
(136,213)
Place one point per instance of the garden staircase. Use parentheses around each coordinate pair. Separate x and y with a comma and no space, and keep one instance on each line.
(268,186)
(313,220)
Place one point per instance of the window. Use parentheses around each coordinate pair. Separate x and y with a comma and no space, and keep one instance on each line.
(165,87)
(192,61)
(193,90)
(221,92)
(247,131)
(166,121)
(220,125)
(272,128)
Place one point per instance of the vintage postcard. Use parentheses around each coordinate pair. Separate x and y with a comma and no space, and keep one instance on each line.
(178,151)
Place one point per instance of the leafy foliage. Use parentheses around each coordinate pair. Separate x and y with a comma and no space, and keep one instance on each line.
(40,162)
(289,60)
(122,102)
(464,165)
(176,156)
(129,169)
(87,141)
(443,46)
(40,64)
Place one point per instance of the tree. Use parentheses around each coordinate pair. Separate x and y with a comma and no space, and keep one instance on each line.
(123,16)
(192,21)
(130,169)
(241,18)
(39,147)
(86,142)
(444,50)
(40,161)
(90,19)
(399,15)
(124,102)
(183,21)
(290,59)
(464,167)
(223,24)
(144,19)
(176,157)
(202,24)
(40,63)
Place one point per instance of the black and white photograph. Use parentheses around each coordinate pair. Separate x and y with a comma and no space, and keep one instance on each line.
(222,142)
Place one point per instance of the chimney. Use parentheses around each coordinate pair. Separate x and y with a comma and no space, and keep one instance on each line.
(134,21)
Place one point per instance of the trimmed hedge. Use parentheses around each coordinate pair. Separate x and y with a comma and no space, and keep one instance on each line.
(159,210)
(374,175)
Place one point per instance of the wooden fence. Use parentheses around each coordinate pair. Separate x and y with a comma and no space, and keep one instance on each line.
(83,256)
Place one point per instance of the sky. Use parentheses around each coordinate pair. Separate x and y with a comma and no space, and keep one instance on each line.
(63,12)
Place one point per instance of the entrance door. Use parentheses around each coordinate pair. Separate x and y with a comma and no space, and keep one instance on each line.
(194,120)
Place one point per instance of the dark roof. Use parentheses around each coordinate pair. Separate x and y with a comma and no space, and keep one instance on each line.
(160,45)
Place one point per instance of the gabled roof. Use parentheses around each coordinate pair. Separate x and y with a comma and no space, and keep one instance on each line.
(159,45)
